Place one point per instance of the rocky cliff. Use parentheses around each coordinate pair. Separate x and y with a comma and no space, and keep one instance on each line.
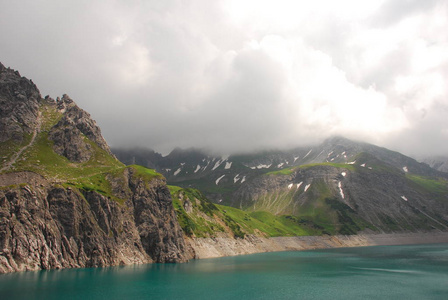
(51,226)
(65,201)
(19,102)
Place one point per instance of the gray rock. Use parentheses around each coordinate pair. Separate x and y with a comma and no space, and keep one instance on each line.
(70,133)
(45,226)
(52,225)
(19,105)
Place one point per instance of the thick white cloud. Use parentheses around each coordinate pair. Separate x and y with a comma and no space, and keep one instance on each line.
(241,75)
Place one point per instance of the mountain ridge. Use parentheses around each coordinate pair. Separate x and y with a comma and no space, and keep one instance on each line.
(65,200)
(341,185)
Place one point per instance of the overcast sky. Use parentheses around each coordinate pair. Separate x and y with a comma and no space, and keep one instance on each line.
(241,75)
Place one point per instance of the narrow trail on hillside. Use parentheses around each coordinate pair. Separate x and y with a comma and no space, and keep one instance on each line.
(14,158)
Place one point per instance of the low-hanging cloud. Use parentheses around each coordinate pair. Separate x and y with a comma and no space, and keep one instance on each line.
(241,75)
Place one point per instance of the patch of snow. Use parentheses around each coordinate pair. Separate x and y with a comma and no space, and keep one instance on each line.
(307,187)
(405,169)
(343,153)
(177,171)
(296,158)
(217,180)
(370,168)
(244,179)
(363,165)
(344,174)
(290,185)
(220,200)
(332,159)
(330,154)
(351,163)
(182,164)
(217,164)
(236,178)
(309,152)
(298,185)
(197,168)
(280,165)
(253,168)
(340,190)
(404,198)
(228,165)
(261,166)
(168,170)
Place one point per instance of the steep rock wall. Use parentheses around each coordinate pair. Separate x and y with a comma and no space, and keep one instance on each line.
(46,226)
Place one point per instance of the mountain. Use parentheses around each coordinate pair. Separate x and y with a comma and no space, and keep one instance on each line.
(219,177)
(340,186)
(65,200)
(439,163)
(200,218)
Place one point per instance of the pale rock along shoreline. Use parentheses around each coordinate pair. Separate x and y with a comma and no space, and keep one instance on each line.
(221,246)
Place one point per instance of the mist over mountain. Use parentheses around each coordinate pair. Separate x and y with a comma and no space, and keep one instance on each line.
(339,180)
(242,76)
(67,201)
(437,162)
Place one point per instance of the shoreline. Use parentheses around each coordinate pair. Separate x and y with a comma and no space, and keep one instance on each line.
(224,246)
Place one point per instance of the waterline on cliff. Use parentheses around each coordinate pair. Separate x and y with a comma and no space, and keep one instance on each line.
(413,272)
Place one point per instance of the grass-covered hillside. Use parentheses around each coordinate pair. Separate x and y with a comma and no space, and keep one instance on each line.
(39,155)
(199,217)
(36,152)
(347,198)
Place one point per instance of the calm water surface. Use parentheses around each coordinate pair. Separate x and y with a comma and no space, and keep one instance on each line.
(385,272)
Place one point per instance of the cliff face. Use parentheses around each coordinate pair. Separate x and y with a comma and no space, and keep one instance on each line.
(47,226)
(65,201)
(19,105)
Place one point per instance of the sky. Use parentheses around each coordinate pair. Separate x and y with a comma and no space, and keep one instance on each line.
(241,75)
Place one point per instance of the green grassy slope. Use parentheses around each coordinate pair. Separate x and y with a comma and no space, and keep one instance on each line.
(201,218)
(42,159)
(96,174)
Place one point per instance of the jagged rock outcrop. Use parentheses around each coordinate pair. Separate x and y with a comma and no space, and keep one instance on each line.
(73,134)
(59,215)
(19,105)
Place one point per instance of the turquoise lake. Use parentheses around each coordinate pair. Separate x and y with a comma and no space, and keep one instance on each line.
(380,272)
